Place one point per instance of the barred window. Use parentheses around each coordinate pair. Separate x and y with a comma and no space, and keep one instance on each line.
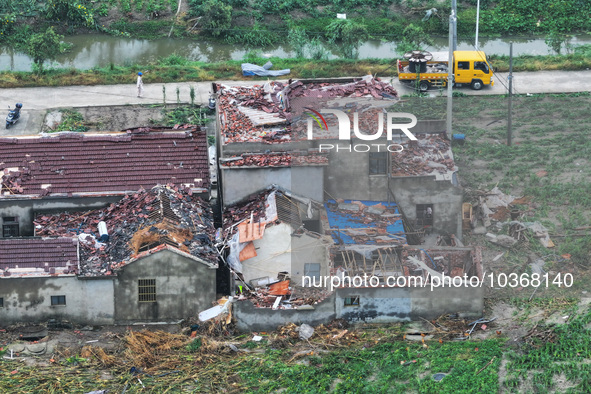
(146,290)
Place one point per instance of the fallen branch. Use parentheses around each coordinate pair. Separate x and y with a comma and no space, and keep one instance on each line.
(489,363)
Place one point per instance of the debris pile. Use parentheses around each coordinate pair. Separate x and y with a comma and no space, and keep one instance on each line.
(269,113)
(368,86)
(430,155)
(365,223)
(161,217)
(279,159)
(252,114)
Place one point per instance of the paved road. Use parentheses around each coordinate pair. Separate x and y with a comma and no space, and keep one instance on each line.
(37,100)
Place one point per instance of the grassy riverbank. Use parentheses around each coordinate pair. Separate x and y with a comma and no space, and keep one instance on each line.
(177,69)
(256,23)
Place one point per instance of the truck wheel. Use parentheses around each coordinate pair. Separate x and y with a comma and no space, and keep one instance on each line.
(424,86)
(476,84)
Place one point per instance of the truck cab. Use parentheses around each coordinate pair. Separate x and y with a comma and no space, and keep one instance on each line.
(471,67)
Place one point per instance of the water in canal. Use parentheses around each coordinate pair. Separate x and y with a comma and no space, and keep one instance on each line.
(100,50)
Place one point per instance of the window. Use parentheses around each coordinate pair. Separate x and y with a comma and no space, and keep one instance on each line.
(425,214)
(10,226)
(378,163)
(312,270)
(146,290)
(482,66)
(58,300)
(352,301)
(463,65)
(1,302)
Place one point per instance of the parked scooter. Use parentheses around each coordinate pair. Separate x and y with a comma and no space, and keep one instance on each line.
(13,115)
(211,103)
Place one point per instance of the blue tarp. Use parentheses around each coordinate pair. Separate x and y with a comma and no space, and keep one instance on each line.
(339,219)
(249,69)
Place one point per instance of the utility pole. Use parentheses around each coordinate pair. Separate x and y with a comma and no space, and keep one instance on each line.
(510,78)
(454,10)
(450,71)
(477,19)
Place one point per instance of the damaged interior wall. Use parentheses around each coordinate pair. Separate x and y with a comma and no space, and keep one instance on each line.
(239,183)
(307,249)
(25,209)
(446,200)
(183,287)
(29,300)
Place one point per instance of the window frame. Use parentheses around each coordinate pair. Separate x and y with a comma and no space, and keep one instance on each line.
(376,162)
(10,227)
(353,300)
(56,300)
(146,290)
(307,270)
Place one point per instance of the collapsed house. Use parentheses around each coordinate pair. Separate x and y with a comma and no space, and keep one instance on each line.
(155,262)
(273,134)
(380,194)
(87,246)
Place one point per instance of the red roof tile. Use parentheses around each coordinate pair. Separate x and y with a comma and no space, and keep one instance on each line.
(38,255)
(77,163)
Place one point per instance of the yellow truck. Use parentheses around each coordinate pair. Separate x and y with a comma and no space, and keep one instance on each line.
(424,70)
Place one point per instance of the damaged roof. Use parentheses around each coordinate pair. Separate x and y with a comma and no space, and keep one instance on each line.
(38,256)
(431,154)
(275,112)
(164,217)
(276,159)
(74,163)
(353,222)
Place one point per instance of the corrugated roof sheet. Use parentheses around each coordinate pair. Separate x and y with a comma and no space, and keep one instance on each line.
(77,163)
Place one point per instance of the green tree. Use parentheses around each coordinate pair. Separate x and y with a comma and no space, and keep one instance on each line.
(347,35)
(413,38)
(44,46)
(217,16)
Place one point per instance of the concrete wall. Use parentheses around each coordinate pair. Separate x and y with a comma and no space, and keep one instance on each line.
(26,209)
(307,249)
(347,175)
(469,302)
(250,318)
(279,251)
(29,300)
(376,305)
(184,287)
(273,254)
(239,183)
(446,199)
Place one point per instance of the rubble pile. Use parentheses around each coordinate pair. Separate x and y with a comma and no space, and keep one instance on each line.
(164,215)
(431,154)
(355,222)
(367,86)
(254,206)
(280,159)
(237,126)
(12,182)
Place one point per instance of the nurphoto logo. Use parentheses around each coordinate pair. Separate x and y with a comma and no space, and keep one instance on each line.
(344,124)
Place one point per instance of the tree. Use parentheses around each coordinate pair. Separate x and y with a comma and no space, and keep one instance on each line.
(413,38)
(44,46)
(217,16)
(348,35)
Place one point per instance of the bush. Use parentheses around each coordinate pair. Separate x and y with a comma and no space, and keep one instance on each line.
(217,17)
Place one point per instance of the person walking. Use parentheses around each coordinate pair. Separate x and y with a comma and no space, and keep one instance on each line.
(140,85)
